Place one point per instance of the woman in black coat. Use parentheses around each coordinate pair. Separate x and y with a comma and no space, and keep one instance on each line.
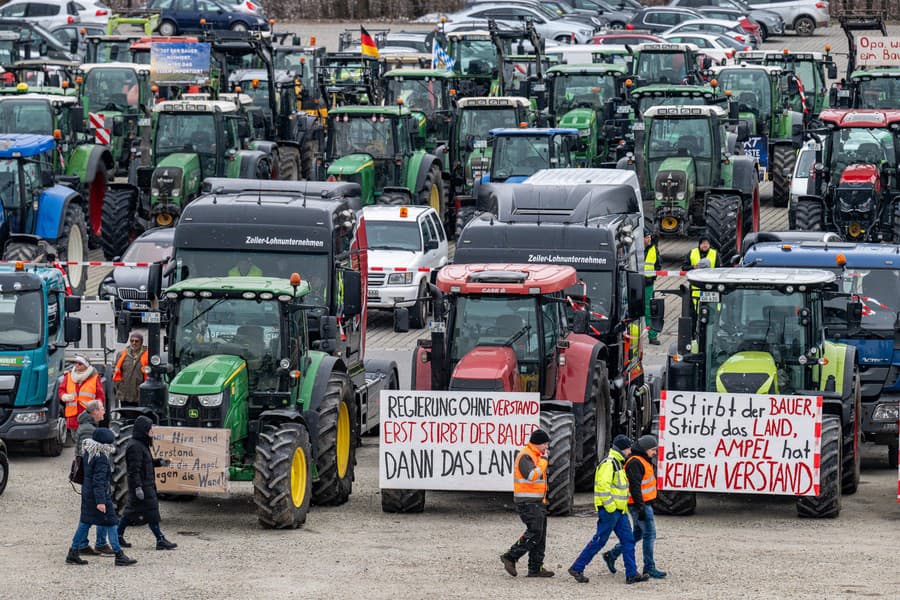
(96,497)
(143,502)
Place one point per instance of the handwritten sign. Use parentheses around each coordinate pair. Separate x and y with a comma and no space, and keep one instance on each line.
(877,50)
(453,440)
(199,458)
(740,443)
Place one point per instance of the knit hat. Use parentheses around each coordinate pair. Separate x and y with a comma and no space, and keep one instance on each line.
(647,442)
(81,360)
(622,442)
(538,437)
(103,435)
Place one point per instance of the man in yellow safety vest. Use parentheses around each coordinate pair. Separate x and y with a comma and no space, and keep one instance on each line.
(704,256)
(530,495)
(611,502)
(642,492)
(651,266)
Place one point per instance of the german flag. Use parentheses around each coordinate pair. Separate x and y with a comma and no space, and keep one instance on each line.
(368,44)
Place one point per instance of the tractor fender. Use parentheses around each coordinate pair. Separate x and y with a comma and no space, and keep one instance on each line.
(52,206)
(382,367)
(282,415)
(128,414)
(744,174)
(420,164)
(264,146)
(247,161)
(326,366)
(86,159)
(308,128)
(813,198)
(420,372)
(581,358)
(841,367)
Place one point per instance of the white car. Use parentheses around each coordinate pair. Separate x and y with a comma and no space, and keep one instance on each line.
(405,244)
(732,29)
(48,13)
(710,45)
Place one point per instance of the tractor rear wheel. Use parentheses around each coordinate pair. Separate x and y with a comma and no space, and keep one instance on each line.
(561,457)
(671,502)
(783,157)
(117,230)
(307,159)
(432,193)
(393,199)
(282,485)
(828,503)
(124,433)
(808,215)
(594,429)
(463,216)
(725,225)
(402,501)
(851,464)
(338,437)
(24,251)
(72,246)
(895,223)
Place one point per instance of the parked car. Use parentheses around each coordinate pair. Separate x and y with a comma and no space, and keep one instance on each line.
(92,11)
(48,13)
(415,41)
(402,240)
(801,16)
(183,16)
(709,44)
(40,41)
(660,19)
(614,13)
(621,39)
(127,286)
(550,25)
(590,18)
(736,16)
(729,28)
(806,157)
(770,22)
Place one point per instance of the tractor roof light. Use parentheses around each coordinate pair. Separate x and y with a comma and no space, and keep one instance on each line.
(266,296)
(205,294)
(254,83)
(190,294)
(840,259)
(171,295)
(249,295)
(20,266)
(404,212)
(57,134)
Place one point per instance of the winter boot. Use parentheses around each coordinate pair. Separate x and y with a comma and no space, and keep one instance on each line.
(578,575)
(509,564)
(123,542)
(87,551)
(656,573)
(610,562)
(637,578)
(74,559)
(105,550)
(122,560)
(542,572)
(164,544)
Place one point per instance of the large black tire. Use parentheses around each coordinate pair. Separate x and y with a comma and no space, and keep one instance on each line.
(393,199)
(124,433)
(280,451)
(94,193)
(418,314)
(783,157)
(895,223)
(808,216)
(671,502)
(463,216)
(54,446)
(263,169)
(827,504)
(561,462)
(402,501)
(117,228)
(24,251)
(432,192)
(338,437)
(4,471)
(850,454)
(72,245)
(594,429)
(725,225)
(308,159)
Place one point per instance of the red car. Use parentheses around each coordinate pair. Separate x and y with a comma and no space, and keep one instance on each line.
(632,39)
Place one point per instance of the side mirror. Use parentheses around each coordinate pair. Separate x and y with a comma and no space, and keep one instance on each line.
(831,71)
(243,129)
(743,131)
(123,326)
(854,314)
(580,321)
(154,280)
(73,46)
(401,319)
(833,97)
(47,179)
(636,284)
(76,120)
(73,329)
(72,304)
(657,313)
(328,331)
(352,293)
(431,245)
(706,63)
(118,127)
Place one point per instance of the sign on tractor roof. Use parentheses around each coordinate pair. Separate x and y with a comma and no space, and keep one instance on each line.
(664,47)
(195,106)
(750,277)
(497,101)
(519,279)
(877,50)
(685,111)
(23,145)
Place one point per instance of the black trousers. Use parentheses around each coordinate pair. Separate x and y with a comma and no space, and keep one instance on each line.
(534,541)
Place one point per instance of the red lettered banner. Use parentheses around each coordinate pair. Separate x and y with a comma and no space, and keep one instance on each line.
(453,440)
(740,443)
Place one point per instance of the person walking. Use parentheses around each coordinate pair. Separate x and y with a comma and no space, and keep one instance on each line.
(641,493)
(530,495)
(611,502)
(129,372)
(96,498)
(79,385)
(651,266)
(88,421)
(143,503)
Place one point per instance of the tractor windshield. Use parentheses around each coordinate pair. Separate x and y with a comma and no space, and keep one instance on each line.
(760,325)
(12,188)
(689,137)
(519,156)
(424,95)
(391,235)
(879,92)
(495,321)
(860,145)
(751,90)
(246,328)
(110,88)
(879,292)
(474,57)
(589,91)
(105,51)
(662,67)
(21,320)
(474,123)
(368,134)
(26,116)
(258,93)
(193,133)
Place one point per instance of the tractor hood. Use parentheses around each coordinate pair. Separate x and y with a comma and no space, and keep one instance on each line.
(862,175)
(748,373)
(350,165)
(486,369)
(208,375)
(578,118)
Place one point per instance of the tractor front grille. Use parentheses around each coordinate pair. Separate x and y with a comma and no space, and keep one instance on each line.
(745,383)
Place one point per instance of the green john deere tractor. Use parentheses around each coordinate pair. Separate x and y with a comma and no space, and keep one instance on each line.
(428,92)
(376,147)
(693,176)
(760,331)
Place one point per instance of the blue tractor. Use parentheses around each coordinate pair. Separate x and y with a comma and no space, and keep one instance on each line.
(41,218)
(35,327)
(872,273)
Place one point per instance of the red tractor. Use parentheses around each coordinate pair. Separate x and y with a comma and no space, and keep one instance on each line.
(502,327)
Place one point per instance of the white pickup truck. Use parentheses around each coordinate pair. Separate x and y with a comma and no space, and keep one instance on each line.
(405,244)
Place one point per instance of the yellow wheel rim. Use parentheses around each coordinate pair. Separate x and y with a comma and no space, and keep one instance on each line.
(855,230)
(298,477)
(164,219)
(669,224)
(343,440)
(435,199)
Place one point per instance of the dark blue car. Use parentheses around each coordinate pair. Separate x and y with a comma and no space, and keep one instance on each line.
(183,16)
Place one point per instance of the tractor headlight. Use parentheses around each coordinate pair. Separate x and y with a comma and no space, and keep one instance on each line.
(887,413)
(209,400)
(178,399)
(659,195)
(680,195)
(404,278)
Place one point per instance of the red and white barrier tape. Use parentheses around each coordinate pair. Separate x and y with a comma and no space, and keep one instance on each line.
(399,270)
(78,263)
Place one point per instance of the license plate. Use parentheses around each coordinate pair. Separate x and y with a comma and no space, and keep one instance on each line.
(136,306)
(373,295)
(709,296)
(150,317)
(144,122)
(623,110)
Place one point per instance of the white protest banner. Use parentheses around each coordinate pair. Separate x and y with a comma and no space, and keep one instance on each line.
(198,457)
(453,440)
(739,443)
(877,50)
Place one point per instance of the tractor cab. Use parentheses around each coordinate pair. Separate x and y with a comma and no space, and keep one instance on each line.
(684,146)
(303,63)
(254,83)
(427,92)
(475,59)
(108,48)
(519,153)
(813,69)
(347,78)
(666,63)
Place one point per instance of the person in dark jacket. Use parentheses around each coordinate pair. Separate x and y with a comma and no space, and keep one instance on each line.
(96,497)
(143,502)
(88,421)
(642,490)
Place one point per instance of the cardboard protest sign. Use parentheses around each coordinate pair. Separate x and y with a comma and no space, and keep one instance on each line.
(739,443)
(453,440)
(199,458)
(877,50)
(179,63)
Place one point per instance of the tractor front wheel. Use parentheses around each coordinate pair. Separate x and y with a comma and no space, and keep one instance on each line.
(561,458)
(4,470)
(851,465)
(117,229)
(808,215)
(72,246)
(338,437)
(828,503)
(282,485)
(725,225)
(432,193)
(783,159)
(593,429)
(895,223)
(463,216)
